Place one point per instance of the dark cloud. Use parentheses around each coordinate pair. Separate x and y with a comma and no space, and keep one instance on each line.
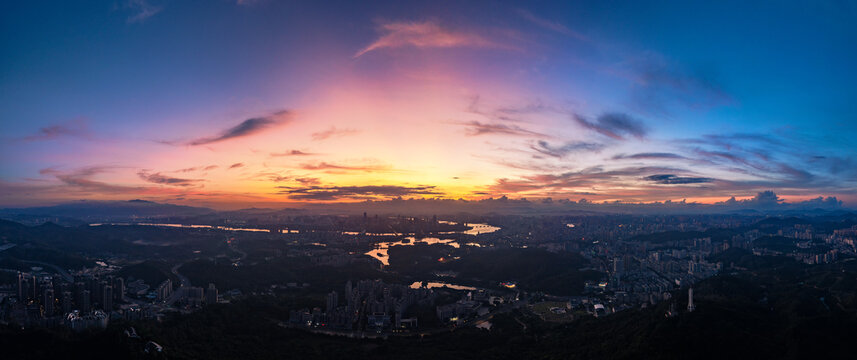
(292,153)
(245,128)
(333,132)
(157,178)
(652,155)
(235,166)
(614,125)
(670,179)
(354,192)
(543,147)
(476,128)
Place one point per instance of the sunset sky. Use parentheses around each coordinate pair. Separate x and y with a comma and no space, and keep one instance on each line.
(233,104)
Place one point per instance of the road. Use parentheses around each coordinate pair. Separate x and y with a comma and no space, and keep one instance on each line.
(183,283)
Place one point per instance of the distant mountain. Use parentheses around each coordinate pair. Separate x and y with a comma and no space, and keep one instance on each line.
(88,210)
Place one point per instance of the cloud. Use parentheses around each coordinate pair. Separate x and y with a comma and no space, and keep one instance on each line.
(292,153)
(575,180)
(550,25)
(304,180)
(476,128)
(157,178)
(75,128)
(325,166)
(197,168)
(333,132)
(246,128)
(614,125)
(546,148)
(235,166)
(652,155)
(354,192)
(660,84)
(81,179)
(308,180)
(142,10)
(670,179)
(425,34)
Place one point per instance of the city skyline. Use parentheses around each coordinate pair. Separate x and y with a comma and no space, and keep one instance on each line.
(232,104)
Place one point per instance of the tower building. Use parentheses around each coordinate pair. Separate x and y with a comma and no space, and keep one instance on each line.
(690,306)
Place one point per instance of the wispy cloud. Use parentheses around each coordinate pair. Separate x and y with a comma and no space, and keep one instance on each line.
(425,34)
(614,125)
(670,179)
(550,25)
(543,147)
(292,153)
(157,178)
(82,180)
(333,132)
(142,10)
(245,128)
(326,193)
(649,156)
(325,166)
(587,178)
(76,128)
(235,166)
(660,84)
(476,128)
(196,168)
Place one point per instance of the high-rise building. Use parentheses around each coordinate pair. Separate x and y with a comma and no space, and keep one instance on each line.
(49,302)
(332,302)
(193,295)
(165,290)
(118,289)
(66,302)
(618,265)
(85,302)
(690,306)
(21,290)
(211,294)
(34,288)
(107,301)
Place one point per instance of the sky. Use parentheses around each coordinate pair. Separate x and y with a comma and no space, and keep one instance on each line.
(231,104)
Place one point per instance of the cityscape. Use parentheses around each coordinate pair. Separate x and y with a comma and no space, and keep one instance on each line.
(486,179)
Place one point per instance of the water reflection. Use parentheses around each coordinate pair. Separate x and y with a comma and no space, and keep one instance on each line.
(475,229)
(380,250)
(437,284)
(227,228)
